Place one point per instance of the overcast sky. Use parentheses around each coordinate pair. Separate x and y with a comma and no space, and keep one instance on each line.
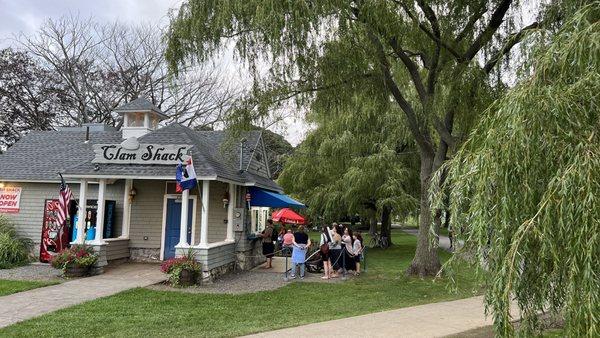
(26,16)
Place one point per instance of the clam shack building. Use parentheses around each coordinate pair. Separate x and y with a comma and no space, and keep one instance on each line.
(125,203)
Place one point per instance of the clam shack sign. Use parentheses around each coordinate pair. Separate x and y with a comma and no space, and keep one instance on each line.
(9,199)
(132,153)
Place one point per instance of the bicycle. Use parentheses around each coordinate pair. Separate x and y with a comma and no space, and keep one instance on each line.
(378,241)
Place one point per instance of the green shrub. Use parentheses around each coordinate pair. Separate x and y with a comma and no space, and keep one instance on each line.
(14,251)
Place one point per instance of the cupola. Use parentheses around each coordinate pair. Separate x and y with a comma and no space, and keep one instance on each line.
(140,117)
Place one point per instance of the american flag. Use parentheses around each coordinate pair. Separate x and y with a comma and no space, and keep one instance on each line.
(64,198)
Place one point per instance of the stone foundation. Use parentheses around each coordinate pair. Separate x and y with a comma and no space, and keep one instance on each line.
(211,275)
(100,250)
(146,255)
(248,259)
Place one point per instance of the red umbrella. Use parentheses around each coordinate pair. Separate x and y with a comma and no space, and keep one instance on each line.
(287,215)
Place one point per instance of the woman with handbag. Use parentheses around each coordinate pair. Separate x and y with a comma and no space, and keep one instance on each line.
(335,251)
(324,250)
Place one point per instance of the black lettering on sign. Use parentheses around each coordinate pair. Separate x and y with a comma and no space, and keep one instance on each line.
(145,154)
(180,154)
(158,154)
(107,155)
(148,154)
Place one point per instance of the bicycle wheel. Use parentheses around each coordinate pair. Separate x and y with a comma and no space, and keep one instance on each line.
(373,242)
(384,243)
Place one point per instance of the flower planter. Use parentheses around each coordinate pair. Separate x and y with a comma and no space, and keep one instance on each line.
(187,277)
(77,271)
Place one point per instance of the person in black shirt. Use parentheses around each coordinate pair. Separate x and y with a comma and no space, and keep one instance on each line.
(301,244)
(268,248)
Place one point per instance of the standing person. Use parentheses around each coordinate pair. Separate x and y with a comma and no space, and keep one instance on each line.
(288,242)
(301,244)
(348,241)
(280,235)
(339,228)
(358,250)
(268,248)
(324,249)
(335,251)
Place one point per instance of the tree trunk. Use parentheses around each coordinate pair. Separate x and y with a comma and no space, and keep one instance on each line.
(372,224)
(426,261)
(386,224)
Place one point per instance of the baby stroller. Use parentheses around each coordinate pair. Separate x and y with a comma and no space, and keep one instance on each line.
(314,262)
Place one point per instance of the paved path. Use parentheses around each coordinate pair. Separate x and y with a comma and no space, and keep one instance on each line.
(429,320)
(444,240)
(28,304)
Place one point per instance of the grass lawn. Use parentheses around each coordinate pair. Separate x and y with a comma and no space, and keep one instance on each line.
(13,286)
(149,313)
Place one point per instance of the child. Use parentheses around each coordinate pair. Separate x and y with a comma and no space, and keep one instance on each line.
(357,247)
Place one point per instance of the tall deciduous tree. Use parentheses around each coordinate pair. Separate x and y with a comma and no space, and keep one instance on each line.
(526,187)
(432,57)
(29,96)
(358,160)
(102,66)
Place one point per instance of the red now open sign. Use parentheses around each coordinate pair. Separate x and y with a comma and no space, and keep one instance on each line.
(9,199)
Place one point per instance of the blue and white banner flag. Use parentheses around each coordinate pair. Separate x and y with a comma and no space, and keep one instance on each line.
(185,176)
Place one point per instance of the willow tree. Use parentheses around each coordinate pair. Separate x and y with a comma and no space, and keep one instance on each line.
(432,58)
(526,186)
(356,160)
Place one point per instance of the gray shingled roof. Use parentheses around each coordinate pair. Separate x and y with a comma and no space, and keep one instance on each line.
(50,152)
(139,105)
(40,155)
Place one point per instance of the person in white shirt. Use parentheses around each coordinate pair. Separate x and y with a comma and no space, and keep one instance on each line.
(357,247)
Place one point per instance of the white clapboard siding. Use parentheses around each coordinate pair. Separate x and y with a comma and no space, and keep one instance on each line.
(116,249)
(147,214)
(216,257)
(217,215)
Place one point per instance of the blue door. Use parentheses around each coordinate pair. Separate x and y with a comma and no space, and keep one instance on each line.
(174,224)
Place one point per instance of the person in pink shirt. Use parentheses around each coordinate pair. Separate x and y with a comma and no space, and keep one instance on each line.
(288,241)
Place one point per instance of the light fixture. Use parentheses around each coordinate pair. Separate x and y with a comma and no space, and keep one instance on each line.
(1,184)
(132,193)
(225,199)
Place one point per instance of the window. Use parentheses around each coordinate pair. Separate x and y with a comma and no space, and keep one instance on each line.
(135,119)
(258,218)
(155,122)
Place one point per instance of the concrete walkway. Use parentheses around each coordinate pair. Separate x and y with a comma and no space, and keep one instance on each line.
(429,320)
(444,240)
(28,304)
